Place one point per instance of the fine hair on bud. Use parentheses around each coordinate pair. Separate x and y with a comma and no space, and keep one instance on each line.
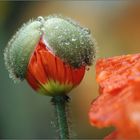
(64,37)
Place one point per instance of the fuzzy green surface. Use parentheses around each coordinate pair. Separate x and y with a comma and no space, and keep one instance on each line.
(54,88)
(70,41)
(67,39)
(20,48)
(61,111)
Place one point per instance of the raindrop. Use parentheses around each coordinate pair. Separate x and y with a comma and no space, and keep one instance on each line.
(87,68)
(87,30)
(67,43)
(40,18)
(42,29)
(73,39)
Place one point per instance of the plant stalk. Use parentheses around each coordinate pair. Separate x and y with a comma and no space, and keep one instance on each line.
(61,115)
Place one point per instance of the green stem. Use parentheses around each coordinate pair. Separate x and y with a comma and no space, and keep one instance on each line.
(60,109)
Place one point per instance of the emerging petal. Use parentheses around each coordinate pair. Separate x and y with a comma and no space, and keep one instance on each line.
(49,75)
(119,102)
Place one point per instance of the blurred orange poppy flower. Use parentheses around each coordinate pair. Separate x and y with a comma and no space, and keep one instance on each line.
(49,75)
(119,101)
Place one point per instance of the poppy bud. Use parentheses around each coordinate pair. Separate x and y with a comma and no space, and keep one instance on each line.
(51,54)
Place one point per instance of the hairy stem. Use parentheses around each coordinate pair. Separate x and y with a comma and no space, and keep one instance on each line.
(61,115)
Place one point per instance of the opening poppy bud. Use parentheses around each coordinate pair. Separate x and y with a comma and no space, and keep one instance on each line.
(51,54)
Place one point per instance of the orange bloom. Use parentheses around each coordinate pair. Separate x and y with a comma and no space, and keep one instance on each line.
(49,75)
(119,101)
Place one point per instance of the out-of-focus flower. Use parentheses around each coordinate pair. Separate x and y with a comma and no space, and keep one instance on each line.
(119,101)
(51,54)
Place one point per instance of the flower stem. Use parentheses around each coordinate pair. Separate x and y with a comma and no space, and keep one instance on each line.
(61,114)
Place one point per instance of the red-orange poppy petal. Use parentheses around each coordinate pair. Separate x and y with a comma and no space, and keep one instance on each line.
(131,121)
(33,82)
(106,109)
(44,66)
(115,73)
(119,82)
(121,110)
(79,73)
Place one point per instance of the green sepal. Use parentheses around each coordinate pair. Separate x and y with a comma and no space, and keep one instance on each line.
(20,48)
(68,40)
(54,88)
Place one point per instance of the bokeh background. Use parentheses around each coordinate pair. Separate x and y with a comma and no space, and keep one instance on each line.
(25,114)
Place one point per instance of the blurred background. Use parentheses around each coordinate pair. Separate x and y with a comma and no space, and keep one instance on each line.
(25,114)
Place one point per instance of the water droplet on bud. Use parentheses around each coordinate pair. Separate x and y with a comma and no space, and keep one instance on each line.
(40,19)
(87,30)
(67,43)
(87,68)
(42,29)
(73,39)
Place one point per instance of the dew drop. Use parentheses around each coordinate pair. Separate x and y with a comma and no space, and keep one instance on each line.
(87,30)
(103,75)
(73,39)
(87,68)
(42,29)
(40,18)
(67,43)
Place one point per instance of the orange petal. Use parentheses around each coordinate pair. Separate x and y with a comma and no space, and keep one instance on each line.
(115,73)
(119,83)
(106,109)
(45,66)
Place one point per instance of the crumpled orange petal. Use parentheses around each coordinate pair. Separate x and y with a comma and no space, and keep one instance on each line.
(115,73)
(119,101)
(45,66)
